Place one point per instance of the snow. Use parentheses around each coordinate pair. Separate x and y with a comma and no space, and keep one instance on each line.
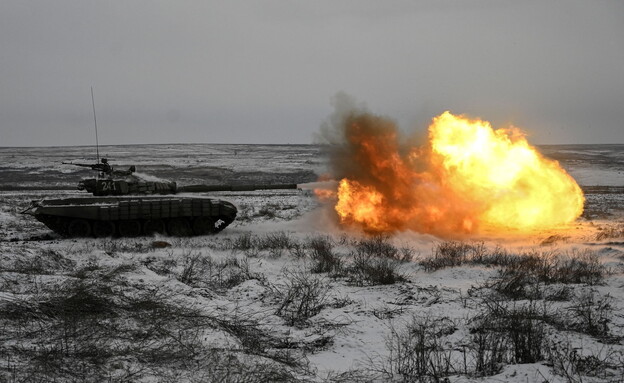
(357,319)
(588,176)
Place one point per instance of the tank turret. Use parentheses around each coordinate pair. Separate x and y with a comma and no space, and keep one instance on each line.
(125,186)
(136,186)
(126,182)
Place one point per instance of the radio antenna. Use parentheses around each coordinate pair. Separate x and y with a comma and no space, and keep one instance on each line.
(97,144)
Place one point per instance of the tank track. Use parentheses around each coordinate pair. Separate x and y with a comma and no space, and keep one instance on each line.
(133,216)
(175,227)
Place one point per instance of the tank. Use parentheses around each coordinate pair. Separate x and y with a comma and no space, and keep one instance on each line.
(125,205)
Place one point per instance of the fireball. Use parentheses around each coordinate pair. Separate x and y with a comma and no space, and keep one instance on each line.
(467,177)
(497,170)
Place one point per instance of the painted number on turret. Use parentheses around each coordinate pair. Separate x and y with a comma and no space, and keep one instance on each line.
(219,223)
(107,185)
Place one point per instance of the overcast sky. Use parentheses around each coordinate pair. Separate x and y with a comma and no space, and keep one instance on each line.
(266,71)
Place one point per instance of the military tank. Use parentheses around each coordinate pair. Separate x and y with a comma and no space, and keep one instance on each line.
(125,205)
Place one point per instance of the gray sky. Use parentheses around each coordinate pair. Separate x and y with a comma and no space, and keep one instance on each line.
(266,71)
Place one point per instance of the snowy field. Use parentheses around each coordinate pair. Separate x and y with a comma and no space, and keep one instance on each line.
(286,295)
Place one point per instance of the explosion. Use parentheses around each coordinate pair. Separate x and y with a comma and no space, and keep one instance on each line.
(467,178)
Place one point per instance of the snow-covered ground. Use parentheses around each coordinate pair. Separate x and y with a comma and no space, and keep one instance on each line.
(285,294)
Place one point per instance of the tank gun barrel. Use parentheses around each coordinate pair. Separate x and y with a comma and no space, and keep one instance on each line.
(78,164)
(102,166)
(233,188)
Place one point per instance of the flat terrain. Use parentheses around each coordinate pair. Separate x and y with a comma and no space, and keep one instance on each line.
(284,294)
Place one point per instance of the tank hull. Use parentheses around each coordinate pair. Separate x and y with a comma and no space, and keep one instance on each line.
(133,215)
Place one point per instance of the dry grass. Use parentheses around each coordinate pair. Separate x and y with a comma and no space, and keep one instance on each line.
(302,296)
(96,323)
(418,351)
(610,232)
(507,333)
(98,315)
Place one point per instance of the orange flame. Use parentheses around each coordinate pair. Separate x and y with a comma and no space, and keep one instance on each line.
(468,177)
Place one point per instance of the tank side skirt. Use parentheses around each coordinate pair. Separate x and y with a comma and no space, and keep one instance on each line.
(59,214)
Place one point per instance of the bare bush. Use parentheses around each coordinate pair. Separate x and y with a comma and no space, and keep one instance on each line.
(323,256)
(452,254)
(369,269)
(199,270)
(517,286)
(375,261)
(507,333)
(351,376)
(407,254)
(269,211)
(275,243)
(194,266)
(577,364)
(87,325)
(302,297)
(417,352)
(246,243)
(298,250)
(588,313)
(163,267)
(558,293)
(88,330)
(577,267)
(525,276)
(377,245)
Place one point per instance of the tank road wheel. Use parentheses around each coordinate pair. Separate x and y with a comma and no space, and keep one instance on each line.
(79,228)
(203,226)
(103,229)
(153,226)
(129,228)
(179,227)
